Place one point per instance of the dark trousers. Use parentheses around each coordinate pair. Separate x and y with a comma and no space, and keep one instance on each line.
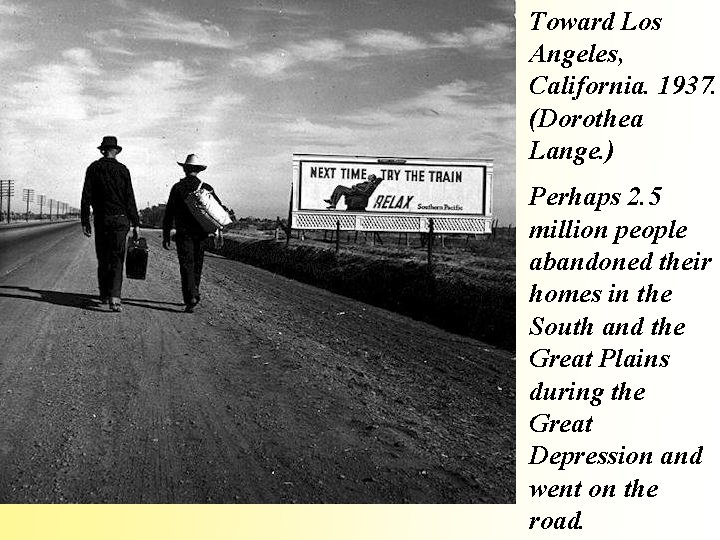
(191,253)
(338,193)
(354,200)
(110,240)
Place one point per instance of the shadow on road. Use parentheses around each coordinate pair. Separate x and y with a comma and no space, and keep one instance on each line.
(78,300)
(152,304)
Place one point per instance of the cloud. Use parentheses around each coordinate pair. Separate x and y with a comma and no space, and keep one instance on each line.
(54,113)
(268,64)
(493,36)
(448,119)
(10,45)
(154,92)
(319,49)
(282,10)
(464,119)
(148,24)
(50,94)
(215,110)
(12,9)
(506,7)
(12,49)
(388,41)
(155,25)
(76,90)
(165,101)
(316,133)
(82,59)
(277,63)
(108,41)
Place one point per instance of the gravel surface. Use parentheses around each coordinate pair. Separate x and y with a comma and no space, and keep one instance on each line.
(271,392)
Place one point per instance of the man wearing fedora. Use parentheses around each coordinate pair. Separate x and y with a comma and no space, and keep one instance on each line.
(108,190)
(189,235)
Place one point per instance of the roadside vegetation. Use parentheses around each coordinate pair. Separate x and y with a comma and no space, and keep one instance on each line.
(470,288)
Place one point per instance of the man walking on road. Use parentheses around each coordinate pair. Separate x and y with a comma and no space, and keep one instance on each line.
(108,189)
(190,237)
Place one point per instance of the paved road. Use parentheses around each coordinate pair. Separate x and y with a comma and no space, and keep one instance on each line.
(271,392)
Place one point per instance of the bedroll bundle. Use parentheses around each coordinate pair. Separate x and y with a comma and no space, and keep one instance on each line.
(206,209)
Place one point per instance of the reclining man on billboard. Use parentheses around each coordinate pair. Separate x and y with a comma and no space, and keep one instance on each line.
(357,197)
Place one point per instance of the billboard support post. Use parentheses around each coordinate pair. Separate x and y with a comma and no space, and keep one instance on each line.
(288,232)
(431,231)
(337,236)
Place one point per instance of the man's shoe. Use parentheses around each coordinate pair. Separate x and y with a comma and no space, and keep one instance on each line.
(190,306)
(329,201)
(115,305)
(331,207)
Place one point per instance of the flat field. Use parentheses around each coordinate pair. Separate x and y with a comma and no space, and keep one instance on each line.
(470,288)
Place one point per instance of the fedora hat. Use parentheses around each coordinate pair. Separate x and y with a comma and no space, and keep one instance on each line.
(193,161)
(110,142)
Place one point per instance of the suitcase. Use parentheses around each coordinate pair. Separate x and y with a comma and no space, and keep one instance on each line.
(136,259)
(209,214)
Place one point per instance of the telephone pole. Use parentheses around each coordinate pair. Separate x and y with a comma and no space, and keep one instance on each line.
(7,189)
(28,196)
(41,200)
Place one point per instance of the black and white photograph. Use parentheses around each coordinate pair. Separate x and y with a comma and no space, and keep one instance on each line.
(257,252)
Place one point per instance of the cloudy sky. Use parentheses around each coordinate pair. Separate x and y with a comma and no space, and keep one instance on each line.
(245,83)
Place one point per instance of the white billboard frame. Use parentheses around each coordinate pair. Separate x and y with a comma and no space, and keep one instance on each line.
(450,222)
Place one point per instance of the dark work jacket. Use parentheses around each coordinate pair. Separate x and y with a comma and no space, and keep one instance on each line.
(178,213)
(366,188)
(108,189)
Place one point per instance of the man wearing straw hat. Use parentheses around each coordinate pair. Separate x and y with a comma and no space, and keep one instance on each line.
(190,237)
(108,189)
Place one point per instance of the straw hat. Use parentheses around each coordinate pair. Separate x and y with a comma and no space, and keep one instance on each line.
(192,160)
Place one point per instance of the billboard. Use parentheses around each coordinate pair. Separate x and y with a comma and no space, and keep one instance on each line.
(391,193)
